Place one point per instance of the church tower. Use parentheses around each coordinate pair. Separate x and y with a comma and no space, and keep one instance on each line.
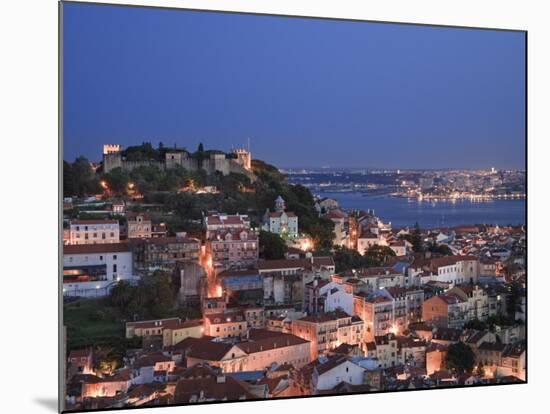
(280,204)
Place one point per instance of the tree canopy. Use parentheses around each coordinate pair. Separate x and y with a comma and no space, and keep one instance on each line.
(79,178)
(152,297)
(460,358)
(272,246)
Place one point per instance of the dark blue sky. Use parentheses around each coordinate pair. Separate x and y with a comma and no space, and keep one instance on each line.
(307,92)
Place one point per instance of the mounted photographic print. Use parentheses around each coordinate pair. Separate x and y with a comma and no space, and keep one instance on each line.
(258,207)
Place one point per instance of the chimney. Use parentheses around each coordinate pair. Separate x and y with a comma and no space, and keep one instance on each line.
(220,379)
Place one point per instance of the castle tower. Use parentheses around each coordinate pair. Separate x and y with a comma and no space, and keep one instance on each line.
(111,148)
(244,158)
(112,157)
(280,204)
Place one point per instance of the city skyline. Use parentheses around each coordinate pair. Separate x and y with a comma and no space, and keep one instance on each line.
(225,86)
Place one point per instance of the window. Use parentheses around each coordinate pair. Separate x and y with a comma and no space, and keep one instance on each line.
(114,256)
(114,268)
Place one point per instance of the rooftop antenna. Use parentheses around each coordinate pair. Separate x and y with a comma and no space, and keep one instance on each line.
(248,144)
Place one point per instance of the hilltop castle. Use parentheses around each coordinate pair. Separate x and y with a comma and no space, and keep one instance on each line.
(238,161)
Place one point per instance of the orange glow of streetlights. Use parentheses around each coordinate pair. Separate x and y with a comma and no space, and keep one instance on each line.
(307,244)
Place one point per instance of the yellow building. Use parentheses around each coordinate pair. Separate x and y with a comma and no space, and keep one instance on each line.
(172,330)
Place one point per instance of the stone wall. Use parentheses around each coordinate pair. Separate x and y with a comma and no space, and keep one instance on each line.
(215,163)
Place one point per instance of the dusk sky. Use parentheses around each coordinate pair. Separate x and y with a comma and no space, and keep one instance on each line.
(307,92)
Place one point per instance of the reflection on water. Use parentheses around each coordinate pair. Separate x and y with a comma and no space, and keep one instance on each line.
(435,213)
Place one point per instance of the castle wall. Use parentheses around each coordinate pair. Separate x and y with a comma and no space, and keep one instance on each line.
(111,161)
(216,162)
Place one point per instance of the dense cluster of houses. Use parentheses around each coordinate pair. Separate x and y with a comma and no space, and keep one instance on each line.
(294,326)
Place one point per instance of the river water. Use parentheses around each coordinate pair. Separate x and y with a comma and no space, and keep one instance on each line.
(406,212)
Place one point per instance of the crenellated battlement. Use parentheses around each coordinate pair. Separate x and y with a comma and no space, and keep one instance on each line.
(239,162)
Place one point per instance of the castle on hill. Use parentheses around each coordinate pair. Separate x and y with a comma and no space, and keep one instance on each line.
(238,161)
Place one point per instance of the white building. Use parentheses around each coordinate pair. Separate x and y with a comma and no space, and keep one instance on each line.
(94,231)
(337,298)
(281,222)
(456,269)
(335,370)
(92,269)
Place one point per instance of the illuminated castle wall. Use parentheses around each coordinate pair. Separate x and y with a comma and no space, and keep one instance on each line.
(239,161)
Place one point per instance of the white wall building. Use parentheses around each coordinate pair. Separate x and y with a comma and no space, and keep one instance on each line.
(337,298)
(331,373)
(456,269)
(94,231)
(91,270)
(281,222)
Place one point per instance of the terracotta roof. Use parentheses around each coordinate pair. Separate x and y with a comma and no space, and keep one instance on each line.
(213,388)
(235,235)
(447,334)
(220,219)
(80,353)
(331,363)
(336,215)
(91,222)
(203,348)
(449,260)
(229,317)
(274,342)
(326,317)
(96,248)
(157,241)
(172,323)
(152,359)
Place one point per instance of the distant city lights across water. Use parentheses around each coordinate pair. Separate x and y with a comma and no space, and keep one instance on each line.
(403,212)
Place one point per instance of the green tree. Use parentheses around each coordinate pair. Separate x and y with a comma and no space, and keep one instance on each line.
(377,255)
(416,239)
(322,233)
(272,246)
(162,296)
(143,152)
(107,359)
(79,178)
(347,259)
(117,181)
(460,358)
(152,297)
